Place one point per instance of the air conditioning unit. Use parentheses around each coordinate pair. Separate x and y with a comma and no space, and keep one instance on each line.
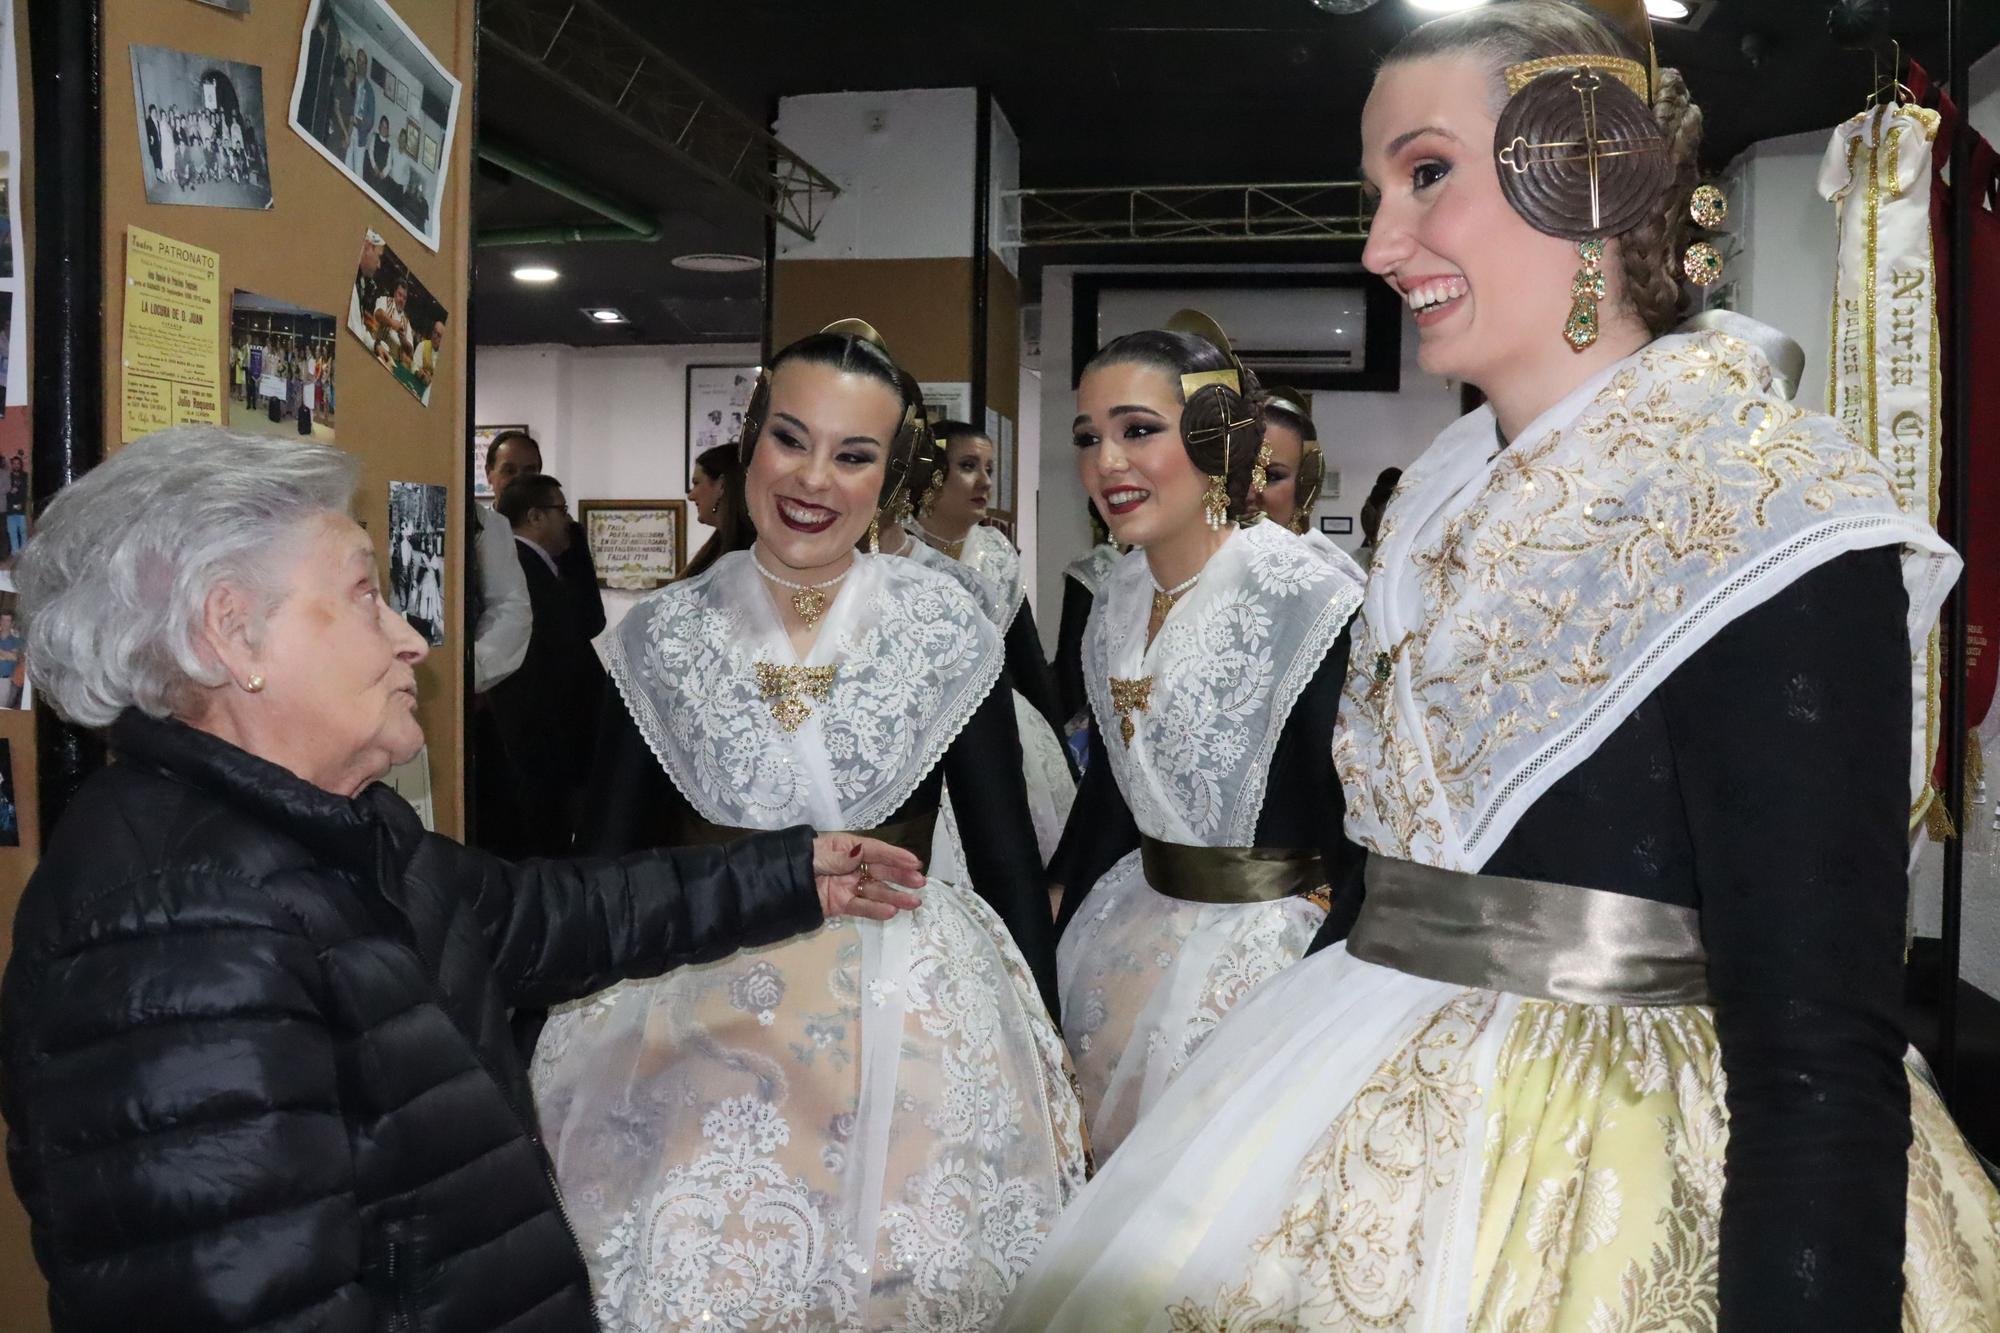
(1309,329)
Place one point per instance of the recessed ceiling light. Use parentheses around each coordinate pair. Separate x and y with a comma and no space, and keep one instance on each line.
(718,263)
(604,314)
(1671,10)
(535,273)
(1445,6)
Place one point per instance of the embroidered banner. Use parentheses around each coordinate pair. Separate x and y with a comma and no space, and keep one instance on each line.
(1885,380)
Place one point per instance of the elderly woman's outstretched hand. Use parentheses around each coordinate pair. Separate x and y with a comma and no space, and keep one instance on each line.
(858,876)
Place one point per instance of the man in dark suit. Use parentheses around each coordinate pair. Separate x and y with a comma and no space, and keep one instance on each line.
(547,710)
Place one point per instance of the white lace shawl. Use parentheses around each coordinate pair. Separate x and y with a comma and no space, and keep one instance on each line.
(988,554)
(913,654)
(1228,665)
(1323,546)
(1090,570)
(1524,602)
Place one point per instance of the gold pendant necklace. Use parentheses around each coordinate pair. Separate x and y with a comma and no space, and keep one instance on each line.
(808,599)
(1129,697)
(785,690)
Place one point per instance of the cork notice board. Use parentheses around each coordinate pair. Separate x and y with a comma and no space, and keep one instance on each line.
(302,251)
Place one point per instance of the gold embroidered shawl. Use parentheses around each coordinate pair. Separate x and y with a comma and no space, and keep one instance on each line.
(1523,603)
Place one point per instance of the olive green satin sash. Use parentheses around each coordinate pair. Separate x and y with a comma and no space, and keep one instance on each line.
(1528,937)
(912,835)
(1229,874)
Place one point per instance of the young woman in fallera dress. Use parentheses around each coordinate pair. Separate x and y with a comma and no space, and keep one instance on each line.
(864,1128)
(948,481)
(1616,1041)
(1205,848)
(1295,474)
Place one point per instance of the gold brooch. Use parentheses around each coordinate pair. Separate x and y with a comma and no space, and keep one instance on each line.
(786,689)
(1129,697)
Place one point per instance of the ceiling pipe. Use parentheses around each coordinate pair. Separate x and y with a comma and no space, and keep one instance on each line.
(621,223)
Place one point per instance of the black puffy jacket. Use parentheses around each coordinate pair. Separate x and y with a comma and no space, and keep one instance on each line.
(256,1068)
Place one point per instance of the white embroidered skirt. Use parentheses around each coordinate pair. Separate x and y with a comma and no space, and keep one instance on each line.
(1358,1148)
(1144,978)
(867,1127)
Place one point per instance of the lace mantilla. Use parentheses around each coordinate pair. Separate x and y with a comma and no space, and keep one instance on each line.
(1227,668)
(914,658)
(993,558)
(1091,570)
(1524,604)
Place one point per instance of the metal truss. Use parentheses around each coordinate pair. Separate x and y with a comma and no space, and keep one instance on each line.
(595,57)
(1163,214)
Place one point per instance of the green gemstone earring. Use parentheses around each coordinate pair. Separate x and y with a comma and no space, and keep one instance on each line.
(1586,290)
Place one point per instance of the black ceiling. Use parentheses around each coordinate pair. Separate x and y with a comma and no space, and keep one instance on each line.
(1101,92)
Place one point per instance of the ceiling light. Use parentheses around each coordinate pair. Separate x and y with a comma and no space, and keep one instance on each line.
(1445,6)
(604,314)
(1671,10)
(535,273)
(718,263)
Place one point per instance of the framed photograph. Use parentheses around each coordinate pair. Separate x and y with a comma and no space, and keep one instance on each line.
(1337,525)
(430,157)
(201,129)
(717,398)
(396,317)
(482,440)
(358,62)
(639,545)
(411,140)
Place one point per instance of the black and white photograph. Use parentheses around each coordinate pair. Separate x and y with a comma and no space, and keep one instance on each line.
(395,316)
(364,79)
(201,129)
(233,6)
(717,398)
(416,556)
(280,370)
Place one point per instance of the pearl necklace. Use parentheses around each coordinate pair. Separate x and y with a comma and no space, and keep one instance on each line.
(1164,598)
(952,549)
(808,599)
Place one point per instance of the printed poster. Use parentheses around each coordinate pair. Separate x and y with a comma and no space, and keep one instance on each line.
(173,305)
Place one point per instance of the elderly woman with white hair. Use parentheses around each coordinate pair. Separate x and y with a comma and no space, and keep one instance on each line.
(256,1060)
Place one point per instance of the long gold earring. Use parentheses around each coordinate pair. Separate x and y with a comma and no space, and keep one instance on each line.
(1260,471)
(875,535)
(1586,290)
(1215,504)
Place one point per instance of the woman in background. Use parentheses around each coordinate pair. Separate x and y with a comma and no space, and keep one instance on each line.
(1295,473)
(1205,847)
(717,492)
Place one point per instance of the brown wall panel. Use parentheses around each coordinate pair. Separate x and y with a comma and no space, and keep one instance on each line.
(1003,339)
(922,307)
(24,1305)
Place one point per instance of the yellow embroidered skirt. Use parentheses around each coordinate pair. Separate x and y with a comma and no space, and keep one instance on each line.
(1357,1148)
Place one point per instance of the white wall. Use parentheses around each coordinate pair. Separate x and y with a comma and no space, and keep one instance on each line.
(904,163)
(611,420)
(1362,433)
